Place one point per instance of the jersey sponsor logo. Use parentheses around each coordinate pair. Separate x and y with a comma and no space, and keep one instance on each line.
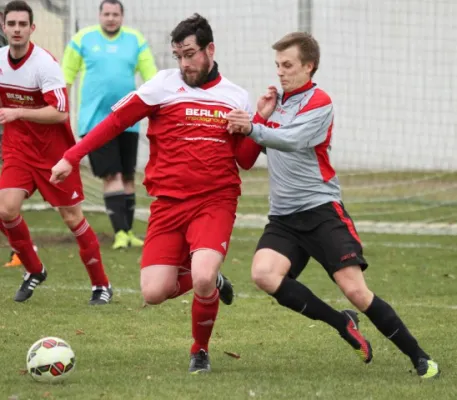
(181,90)
(22,99)
(19,97)
(202,112)
(204,115)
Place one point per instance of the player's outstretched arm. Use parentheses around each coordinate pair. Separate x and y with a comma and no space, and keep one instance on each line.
(127,112)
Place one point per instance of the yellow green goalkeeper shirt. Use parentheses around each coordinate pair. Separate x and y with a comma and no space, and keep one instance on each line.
(108,66)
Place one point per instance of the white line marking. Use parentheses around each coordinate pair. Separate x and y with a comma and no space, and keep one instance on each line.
(240,295)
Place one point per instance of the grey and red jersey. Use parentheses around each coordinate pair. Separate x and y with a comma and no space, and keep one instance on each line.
(297,137)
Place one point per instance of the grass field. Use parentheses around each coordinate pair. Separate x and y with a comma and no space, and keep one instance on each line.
(429,197)
(125,351)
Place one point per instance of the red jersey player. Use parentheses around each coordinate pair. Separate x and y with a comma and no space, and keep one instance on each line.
(192,171)
(34,112)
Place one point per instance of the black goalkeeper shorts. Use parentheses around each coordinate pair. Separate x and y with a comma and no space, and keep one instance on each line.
(117,156)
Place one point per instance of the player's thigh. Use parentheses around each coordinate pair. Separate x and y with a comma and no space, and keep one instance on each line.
(163,247)
(278,252)
(335,243)
(211,225)
(16,184)
(129,152)
(68,193)
(106,161)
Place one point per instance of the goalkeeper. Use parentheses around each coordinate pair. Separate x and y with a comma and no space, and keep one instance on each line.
(108,55)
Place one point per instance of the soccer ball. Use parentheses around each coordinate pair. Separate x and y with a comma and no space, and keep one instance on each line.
(50,360)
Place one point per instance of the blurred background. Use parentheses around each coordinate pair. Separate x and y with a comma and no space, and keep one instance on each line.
(389,67)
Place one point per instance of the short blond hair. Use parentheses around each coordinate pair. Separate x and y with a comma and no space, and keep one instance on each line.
(308,47)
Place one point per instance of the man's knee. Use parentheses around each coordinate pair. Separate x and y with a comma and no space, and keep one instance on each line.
(262,272)
(72,216)
(205,266)
(8,212)
(268,269)
(153,295)
(10,205)
(113,183)
(352,283)
(128,177)
(158,283)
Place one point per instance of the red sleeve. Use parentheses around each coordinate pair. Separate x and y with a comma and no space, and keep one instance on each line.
(246,152)
(58,99)
(258,119)
(126,113)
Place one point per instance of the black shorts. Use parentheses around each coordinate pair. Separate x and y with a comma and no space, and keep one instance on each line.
(325,233)
(118,155)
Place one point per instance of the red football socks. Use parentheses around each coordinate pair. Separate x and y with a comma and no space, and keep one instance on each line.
(204,313)
(89,251)
(19,238)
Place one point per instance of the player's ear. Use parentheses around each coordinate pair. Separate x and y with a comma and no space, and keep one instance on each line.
(32,27)
(211,48)
(309,66)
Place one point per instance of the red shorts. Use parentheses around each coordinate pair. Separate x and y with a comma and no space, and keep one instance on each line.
(18,175)
(177,228)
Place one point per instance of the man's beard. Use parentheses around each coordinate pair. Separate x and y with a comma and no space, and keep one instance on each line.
(200,78)
(111,33)
(19,47)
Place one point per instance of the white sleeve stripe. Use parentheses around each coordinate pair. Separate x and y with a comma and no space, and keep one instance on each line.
(122,101)
(60,99)
(64,101)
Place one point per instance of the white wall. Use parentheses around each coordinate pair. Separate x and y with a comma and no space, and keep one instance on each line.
(391,69)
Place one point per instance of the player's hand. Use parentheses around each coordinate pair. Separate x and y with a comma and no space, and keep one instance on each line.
(60,171)
(9,115)
(267,103)
(239,121)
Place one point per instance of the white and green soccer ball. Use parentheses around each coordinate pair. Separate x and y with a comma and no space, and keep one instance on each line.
(50,360)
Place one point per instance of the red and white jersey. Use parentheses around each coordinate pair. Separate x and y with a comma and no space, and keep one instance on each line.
(191,152)
(35,82)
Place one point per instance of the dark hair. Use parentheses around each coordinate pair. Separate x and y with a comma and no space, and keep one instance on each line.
(194,25)
(18,5)
(113,2)
(307,46)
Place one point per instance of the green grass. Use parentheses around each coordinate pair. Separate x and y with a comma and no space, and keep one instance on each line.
(131,352)
(375,196)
